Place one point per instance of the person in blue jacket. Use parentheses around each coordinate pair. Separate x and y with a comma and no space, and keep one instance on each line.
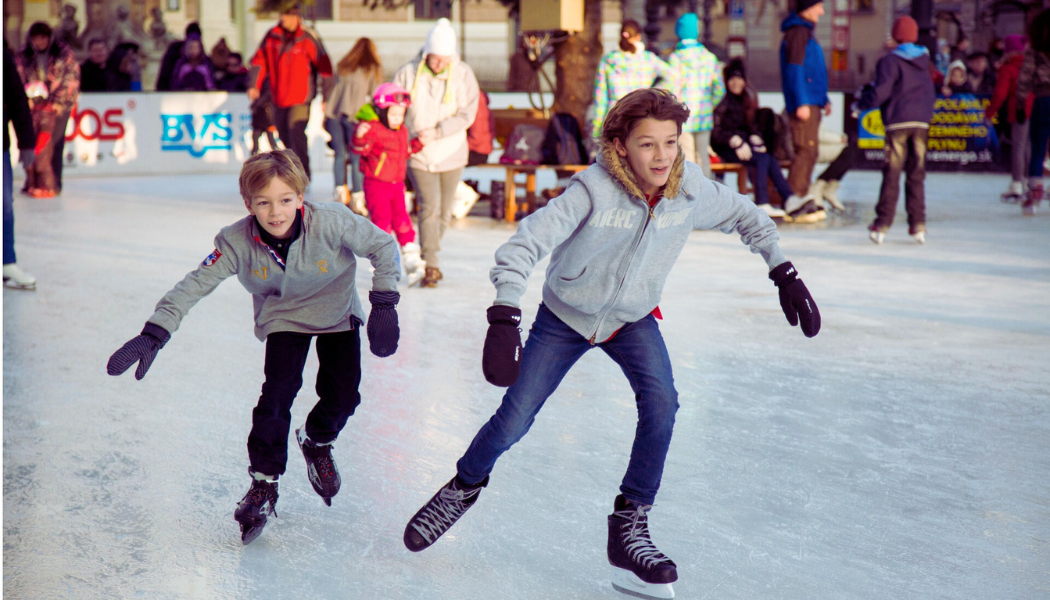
(804,79)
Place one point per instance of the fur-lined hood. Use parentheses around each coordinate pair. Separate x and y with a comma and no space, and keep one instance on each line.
(623,175)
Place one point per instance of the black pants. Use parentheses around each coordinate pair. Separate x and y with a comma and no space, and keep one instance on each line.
(58,157)
(291,126)
(905,151)
(338,379)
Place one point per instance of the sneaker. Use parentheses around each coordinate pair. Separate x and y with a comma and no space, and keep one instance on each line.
(341,194)
(431,277)
(795,204)
(441,512)
(876,236)
(18,279)
(631,551)
(831,194)
(357,203)
(320,466)
(256,506)
(772,211)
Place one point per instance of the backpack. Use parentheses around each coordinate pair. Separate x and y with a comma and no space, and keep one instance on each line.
(563,144)
(524,146)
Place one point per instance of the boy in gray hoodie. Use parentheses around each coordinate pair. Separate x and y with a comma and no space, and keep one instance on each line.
(298,260)
(613,236)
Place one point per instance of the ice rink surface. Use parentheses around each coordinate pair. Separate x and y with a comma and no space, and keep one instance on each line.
(902,453)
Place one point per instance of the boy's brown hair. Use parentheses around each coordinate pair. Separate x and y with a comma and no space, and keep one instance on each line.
(259,170)
(654,103)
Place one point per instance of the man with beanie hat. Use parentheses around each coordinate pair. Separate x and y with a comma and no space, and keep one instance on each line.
(699,87)
(904,92)
(445,95)
(804,79)
(290,57)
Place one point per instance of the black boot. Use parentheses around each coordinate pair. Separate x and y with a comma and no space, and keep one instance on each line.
(320,467)
(257,504)
(441,512)
(631,548)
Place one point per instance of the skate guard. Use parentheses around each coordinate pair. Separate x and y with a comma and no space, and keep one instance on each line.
(626,582)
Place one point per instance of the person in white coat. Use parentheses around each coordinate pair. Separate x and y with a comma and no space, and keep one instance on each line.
(444,94)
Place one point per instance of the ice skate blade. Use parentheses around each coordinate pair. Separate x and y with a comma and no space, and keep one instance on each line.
(626,582)
(11,284)
(249,533)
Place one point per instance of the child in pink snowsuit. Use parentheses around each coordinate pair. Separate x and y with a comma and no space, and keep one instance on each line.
(382,141)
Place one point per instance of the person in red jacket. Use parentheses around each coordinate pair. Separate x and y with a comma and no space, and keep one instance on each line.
(1017,116)
(382,141)
(290,57)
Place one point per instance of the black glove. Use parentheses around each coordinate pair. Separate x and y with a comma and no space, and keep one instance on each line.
(501,359)
(142,349)
(383,331)
(795,299)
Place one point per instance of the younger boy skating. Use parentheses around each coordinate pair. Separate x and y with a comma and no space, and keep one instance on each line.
(613,236)
(382,141)
(298,261)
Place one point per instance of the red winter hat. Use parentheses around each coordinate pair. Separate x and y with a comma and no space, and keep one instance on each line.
(905,30)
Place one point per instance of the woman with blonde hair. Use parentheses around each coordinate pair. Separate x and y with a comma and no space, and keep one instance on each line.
(357,76)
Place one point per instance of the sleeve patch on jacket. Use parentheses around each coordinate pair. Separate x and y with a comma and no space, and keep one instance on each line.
(212,258)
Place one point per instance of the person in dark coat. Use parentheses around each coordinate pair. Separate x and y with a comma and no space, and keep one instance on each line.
(16,112)
(96,73)
(736,138)
(172,56)
(904,93)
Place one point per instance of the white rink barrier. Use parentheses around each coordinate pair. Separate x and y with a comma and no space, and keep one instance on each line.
(169,133)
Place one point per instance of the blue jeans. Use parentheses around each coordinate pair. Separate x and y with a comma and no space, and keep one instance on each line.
(550,351)
(9,211)
(762,167)
(1039,132)
(342,131)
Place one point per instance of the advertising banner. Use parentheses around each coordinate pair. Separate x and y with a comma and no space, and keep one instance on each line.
(961,138)
(134,133)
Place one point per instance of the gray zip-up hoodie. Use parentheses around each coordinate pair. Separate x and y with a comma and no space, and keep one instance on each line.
(611,254)
(313,293)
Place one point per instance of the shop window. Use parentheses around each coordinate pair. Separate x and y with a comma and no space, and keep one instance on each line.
(427,10)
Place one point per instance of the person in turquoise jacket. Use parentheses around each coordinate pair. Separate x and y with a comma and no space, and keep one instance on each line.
(804,79)
(612,237)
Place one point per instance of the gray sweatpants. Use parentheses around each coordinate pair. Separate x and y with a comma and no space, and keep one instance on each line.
(1021,152)
(436,196)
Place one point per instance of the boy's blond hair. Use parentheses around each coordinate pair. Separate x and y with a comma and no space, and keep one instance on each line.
(259,170)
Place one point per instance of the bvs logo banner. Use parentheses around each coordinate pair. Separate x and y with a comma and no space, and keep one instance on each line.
(196,135)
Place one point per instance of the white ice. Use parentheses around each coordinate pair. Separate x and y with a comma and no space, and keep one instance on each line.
(902,453)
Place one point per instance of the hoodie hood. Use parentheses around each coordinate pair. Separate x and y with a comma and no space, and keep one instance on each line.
(911,51)
(793,20)
(625,178)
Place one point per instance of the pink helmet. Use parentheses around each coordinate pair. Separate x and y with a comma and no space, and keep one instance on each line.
(390,94)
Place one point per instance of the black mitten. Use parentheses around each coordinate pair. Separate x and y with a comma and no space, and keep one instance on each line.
(383,331)
(142,349)
(501,358)
(795,299)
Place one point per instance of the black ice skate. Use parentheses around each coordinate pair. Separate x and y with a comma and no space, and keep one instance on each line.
(257,504)
(640,569)
(444,509)
(320,467)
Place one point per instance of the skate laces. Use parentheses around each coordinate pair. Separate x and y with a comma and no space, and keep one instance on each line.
(259,494)
(323,457)
(444,510)
(635,534)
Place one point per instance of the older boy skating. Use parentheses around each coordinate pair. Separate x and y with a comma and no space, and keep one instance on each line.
(613,236)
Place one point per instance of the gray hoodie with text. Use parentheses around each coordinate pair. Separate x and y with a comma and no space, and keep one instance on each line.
(611,254)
